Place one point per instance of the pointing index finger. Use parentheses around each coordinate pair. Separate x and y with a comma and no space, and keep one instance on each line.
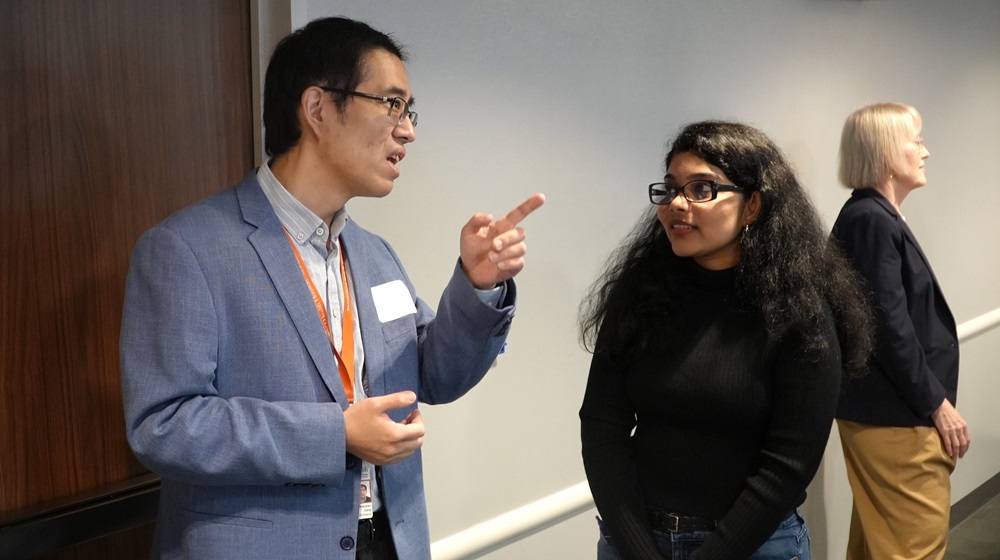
(521,212)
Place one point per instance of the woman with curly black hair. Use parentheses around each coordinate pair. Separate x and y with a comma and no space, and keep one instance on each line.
(720,332)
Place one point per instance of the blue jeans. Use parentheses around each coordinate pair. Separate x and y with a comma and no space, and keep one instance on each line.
(789,542)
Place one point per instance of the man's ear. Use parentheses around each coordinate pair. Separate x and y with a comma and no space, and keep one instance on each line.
(311,115)
(753,207)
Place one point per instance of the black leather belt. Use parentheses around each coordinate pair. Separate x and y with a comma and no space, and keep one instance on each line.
(669,522)
(367,528)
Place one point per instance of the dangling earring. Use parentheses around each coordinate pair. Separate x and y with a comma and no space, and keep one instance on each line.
(746,229)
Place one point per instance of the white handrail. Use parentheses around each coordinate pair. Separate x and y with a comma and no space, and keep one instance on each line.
(975,327)
(514,525)
(510,527)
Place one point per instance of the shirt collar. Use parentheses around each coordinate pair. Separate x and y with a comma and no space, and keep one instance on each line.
(301,222)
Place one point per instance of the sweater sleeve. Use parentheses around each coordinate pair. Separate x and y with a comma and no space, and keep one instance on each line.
(606,423)
(804,398)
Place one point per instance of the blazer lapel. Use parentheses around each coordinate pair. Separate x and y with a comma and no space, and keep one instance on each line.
(904,227)
(271,244)
(907,235)
(927,264)
(364,273)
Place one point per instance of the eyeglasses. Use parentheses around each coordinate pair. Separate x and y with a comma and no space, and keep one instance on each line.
(399,109)
(695,191)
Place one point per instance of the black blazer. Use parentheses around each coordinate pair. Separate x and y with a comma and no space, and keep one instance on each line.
(915,364)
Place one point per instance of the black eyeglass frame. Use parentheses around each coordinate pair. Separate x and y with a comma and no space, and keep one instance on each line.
(679,189)
(392,101)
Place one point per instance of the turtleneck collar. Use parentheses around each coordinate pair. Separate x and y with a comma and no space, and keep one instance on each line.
(709,280)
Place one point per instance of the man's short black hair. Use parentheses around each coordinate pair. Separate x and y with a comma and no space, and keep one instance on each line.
(326,52)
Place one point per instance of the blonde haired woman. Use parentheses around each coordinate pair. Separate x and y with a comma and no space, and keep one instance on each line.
(898,424)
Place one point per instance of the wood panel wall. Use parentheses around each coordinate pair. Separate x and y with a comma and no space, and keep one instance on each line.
(113,115)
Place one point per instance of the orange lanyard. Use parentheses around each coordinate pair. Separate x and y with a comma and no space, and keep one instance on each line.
(345,358)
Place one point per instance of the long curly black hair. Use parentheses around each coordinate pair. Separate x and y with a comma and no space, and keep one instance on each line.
(789,272)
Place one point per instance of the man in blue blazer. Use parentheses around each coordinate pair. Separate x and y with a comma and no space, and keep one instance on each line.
(273,352)
(899,428)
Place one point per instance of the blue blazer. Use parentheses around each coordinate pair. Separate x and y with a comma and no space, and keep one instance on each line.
(915,364)
(232,393)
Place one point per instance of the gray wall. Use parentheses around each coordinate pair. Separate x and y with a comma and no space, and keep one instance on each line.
(577,100)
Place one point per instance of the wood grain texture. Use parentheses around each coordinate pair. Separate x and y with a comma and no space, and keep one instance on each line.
(113,115)
(127,545)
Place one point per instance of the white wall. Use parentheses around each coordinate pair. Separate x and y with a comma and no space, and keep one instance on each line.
(577,99)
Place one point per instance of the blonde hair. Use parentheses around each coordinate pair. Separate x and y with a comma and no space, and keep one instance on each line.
(872,143)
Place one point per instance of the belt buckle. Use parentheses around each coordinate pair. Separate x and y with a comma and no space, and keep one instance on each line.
(677,523)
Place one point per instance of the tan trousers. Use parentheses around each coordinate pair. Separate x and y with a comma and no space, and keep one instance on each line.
(901,482)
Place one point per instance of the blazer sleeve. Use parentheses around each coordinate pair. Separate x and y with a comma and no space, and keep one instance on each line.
(876,245)
(459,345)
(441,355)
(177,423)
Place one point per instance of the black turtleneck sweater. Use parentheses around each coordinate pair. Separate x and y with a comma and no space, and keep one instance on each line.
(730,423)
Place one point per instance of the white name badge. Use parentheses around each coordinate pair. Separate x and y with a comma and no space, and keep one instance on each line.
(392,301)
(365,510)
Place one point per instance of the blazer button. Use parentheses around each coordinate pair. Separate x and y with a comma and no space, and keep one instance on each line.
(351,462)
(347,543)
